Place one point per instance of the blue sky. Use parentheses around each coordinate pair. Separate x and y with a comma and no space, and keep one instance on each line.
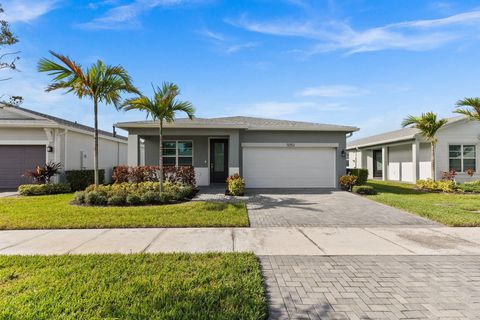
(363,63)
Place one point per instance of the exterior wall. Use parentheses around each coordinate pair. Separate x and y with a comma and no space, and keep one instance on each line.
(299,137)
(425,171)
(111,153)
(400,165)
(467,132)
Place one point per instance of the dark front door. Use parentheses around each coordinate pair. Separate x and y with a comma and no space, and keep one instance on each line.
(377,163)
(218,160)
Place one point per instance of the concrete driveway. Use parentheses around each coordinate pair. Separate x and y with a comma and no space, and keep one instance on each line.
(322,208)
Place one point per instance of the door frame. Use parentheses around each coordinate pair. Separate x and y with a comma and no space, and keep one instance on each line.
(376,170)
(209,152)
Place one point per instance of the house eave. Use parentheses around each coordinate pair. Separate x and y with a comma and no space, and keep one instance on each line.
(379,143)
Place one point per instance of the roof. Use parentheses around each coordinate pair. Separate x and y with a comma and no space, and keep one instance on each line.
(248,123)
(404,134)
(59,121)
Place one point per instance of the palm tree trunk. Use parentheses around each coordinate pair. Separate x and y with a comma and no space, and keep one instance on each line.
(433,161)
(160,171)
(95,151)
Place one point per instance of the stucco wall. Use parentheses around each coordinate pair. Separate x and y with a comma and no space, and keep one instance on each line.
(400,165)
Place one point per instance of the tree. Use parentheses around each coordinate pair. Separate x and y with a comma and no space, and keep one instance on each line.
(162,107)
(7,38)
(469,107)
(101,83)
(428,125)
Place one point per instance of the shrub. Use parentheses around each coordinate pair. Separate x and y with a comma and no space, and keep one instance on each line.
(184,175)
(80,196)
(347,181)
(473,183)
(443,185)
(470,172)
(475,188)
(80,179)
(134,194)
(361,174)
(43,189)
(449,175)
(236,185)
(43,175)
(367,190)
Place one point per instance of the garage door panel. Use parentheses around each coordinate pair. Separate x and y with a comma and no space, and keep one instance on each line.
(272,167)
(15,160)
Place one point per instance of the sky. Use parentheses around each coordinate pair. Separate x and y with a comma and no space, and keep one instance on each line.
(366,63)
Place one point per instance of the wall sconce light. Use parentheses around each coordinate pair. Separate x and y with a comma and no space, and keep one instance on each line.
(343,153)
(49,149)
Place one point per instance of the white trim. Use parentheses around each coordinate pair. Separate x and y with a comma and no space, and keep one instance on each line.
(24,142)
(289,145)
(233,170)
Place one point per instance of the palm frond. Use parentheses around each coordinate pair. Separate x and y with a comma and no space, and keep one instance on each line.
(427,123)
(472,109)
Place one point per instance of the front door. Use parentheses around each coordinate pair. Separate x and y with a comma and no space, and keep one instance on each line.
(377,164)
(218,160)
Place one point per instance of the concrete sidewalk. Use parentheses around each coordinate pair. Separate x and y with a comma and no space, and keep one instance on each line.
(262,241)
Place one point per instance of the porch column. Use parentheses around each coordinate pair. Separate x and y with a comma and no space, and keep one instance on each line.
(415,162)
(133,150)
(384,163)
(234,153)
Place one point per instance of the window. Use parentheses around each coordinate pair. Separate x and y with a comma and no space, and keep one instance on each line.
(177,153)
(347,159)
(462,157)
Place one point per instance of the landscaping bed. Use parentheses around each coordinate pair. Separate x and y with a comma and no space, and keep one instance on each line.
(56,212)
(453,209)
(136,286)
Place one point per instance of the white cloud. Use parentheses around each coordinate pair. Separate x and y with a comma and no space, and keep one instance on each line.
(333,91)
(414,35)
(28,10)
(127,16)
(226,44)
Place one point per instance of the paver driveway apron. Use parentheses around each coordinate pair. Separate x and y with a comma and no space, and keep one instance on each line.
(322,208)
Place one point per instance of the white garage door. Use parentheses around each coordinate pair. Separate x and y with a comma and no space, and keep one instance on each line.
(289,167)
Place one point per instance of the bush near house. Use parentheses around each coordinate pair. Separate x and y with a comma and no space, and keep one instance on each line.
(44,174)
(80,179)
(361,174)
(184,175)
(43,189)
(236,185)
(133,194)
(347,181)
(364,190)
(442,185)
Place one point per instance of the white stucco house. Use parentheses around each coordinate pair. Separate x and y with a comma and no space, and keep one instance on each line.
(404,155)
(29,138)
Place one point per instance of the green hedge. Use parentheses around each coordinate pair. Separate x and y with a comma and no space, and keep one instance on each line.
(367,190)
(43,189)
(361,174)
(80,179)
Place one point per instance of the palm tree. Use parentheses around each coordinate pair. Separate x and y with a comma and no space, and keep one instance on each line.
(469,107)
(428,125)
(101,83)
(162,108)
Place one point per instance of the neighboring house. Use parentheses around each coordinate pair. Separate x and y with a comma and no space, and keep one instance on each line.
(404,155)
(29,138)
(267,153)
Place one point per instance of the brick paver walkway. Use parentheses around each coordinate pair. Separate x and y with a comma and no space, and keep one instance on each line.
(373,287)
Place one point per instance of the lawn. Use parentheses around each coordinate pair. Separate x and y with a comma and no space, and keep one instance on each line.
(137,286)
(55,212)
(451,209)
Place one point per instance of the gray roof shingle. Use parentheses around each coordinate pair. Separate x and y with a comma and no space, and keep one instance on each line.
(393,136)
(251,123)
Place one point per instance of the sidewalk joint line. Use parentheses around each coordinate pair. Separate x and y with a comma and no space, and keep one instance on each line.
(153,240)
(26,240)
(98,235)
(316,245)
(233,239)
(388,240)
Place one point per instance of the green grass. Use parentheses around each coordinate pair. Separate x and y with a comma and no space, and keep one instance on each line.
(55,212)
(447,208)
(137,286)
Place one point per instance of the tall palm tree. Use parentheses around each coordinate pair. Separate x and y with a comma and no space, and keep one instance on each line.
(469,107)
(428,125)
(162,107)
(101,83)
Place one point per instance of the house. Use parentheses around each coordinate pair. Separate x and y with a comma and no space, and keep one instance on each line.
(29,138)
(404,155)
(268,153)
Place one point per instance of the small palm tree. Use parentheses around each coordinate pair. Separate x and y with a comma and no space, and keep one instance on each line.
(162,107)
(101,83)
(428,125)
(469,107)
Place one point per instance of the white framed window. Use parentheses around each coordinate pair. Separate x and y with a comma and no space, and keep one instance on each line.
(177,152)
(462,157)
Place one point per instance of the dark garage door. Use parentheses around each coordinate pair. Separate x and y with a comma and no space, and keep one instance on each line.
(15,160)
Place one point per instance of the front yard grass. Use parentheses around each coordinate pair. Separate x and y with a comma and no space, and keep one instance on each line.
(56,212)
(451,209)
(136,286)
